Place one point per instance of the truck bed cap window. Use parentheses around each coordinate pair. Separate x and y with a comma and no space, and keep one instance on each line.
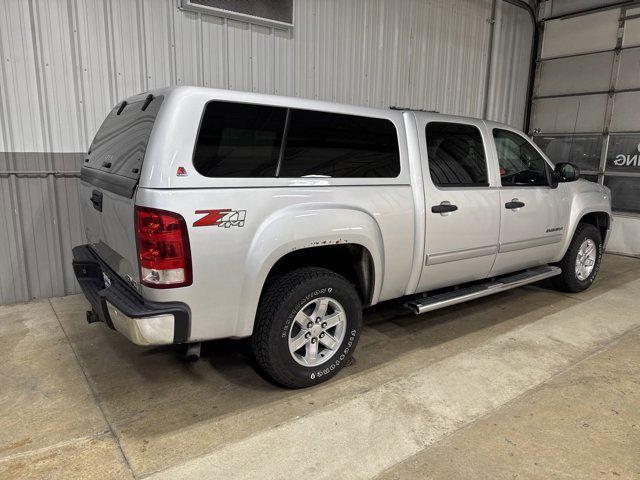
(239,140)
(338,145)
(114,161)
(244,140)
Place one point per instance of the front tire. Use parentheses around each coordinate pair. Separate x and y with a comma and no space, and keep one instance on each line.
(307,327)
(581,262)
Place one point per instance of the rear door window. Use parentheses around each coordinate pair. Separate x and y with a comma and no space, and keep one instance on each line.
(239,140)
(339,146)
(456,155)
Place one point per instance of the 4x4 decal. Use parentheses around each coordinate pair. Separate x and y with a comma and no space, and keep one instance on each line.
(222,218)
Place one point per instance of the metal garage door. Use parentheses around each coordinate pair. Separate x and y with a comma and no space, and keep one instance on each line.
(586,106)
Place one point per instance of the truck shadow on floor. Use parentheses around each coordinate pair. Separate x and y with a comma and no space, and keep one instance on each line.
(390,330)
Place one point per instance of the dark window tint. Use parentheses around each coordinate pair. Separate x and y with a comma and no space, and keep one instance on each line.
(624,153)
(625,193)
(456,155)
(278,10)
(520,163)
(335,145)
(239,140)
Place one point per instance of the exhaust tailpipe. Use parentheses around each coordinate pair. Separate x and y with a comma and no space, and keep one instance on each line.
(193,352)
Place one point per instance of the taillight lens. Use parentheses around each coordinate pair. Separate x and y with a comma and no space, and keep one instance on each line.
(163,248)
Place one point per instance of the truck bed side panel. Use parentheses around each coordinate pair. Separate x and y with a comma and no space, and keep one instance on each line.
(222,301)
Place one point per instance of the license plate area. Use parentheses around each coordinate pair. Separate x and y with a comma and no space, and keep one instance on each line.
(87,269)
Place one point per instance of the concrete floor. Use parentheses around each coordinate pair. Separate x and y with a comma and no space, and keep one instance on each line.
(525,384)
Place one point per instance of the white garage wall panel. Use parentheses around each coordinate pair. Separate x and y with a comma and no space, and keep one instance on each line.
(626,116)
(631,33)
(566,7)
(629,70)
(581,74)
(575,114)
(65,63)
(581,34)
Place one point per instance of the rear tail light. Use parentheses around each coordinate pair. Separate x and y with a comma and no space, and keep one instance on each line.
(163,248)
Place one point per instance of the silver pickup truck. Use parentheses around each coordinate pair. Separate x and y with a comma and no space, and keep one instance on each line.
(212,213)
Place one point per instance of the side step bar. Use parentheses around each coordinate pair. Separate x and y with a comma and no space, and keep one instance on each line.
(495,285)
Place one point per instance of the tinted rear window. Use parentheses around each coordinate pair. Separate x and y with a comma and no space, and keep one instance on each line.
(121,142)
(243,140)
(337,145)
(456,155)
(239,140)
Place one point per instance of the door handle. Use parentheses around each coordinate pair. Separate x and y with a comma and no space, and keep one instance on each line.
(444,208)
(96,199)
(514,204)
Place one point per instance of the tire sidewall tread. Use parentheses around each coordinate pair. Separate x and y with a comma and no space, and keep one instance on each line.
(282,299)
(567,280)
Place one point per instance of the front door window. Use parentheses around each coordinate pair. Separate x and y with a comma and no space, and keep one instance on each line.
(520,163)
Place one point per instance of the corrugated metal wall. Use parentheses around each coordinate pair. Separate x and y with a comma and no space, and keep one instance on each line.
(65,63)
(511,63)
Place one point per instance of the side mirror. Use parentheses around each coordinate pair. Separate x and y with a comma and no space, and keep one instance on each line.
(566,172)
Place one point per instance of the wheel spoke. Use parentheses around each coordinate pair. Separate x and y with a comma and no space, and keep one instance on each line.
(329,341)
(588,262)
(312,352)
(333,320)
(298,341)
(302,319)
(321,308)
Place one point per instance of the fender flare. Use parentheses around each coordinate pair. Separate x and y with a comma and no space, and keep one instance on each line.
(315,225)
(574,225)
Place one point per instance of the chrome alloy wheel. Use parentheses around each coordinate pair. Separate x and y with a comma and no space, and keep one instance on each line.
(586,259)
(317,331)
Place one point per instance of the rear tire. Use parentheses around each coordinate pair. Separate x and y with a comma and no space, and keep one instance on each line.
(307,327)
(581,263)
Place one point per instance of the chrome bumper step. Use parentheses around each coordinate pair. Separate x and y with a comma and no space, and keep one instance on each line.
(495,285)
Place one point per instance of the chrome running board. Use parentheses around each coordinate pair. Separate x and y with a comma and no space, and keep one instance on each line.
(499,284)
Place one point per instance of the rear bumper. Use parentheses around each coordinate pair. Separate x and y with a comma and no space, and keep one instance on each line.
(123,309)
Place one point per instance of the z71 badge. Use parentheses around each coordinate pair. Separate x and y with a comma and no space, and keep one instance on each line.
(222,218)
